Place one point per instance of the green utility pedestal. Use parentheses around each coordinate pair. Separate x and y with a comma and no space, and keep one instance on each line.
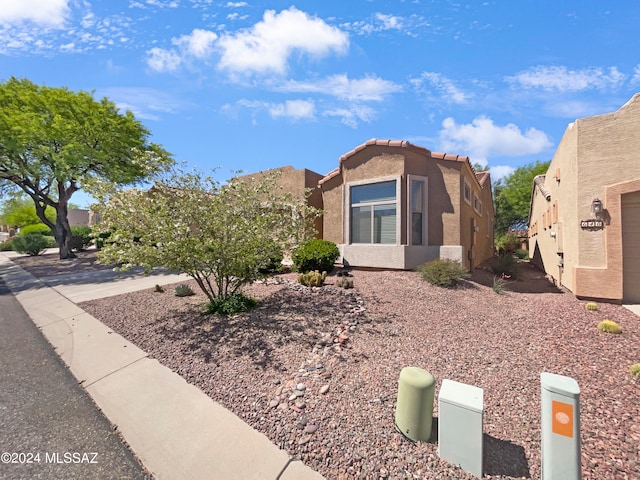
(414,410)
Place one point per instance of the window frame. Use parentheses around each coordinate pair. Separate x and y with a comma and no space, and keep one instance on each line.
(424,209)
(348,208)
(466,187)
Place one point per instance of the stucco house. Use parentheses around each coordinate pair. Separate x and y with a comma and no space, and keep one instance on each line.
(392,204)
(584,221)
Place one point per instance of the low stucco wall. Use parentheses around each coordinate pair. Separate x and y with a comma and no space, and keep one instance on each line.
(397,257)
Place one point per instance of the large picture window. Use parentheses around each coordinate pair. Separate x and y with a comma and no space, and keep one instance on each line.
(373,213)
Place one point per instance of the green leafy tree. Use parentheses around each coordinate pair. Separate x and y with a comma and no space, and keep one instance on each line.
(512,195)
(20,212)
(54,142)
(223,236)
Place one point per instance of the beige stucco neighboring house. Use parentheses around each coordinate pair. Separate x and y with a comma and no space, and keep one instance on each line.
(392,204)
(584,222)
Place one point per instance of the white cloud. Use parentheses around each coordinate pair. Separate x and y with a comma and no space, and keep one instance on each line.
(198,44)
(445,87)
(162,60)
(562,79)
(500,171)
(52,13)
(389,22)
(482,138)
(353,115)
(369,88)
(293,109)
(145,103)
(236,4)
(636,75)
(268,45)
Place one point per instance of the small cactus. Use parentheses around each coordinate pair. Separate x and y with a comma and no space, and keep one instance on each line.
(344,282)
(159,289)
(591,306)
(609,326)
(183,291)
(635,369)
(312,279)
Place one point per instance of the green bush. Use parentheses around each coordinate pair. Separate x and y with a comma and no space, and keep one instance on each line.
(230,305)
(315,254)
(505,265)
(522,253)
(183,291)
(443,272)
(273,261)
(7,246)
(80,237)
(635,369)
(506,242)
(40,228)
(32,244)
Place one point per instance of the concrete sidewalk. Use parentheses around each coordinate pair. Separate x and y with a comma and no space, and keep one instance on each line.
(174,428)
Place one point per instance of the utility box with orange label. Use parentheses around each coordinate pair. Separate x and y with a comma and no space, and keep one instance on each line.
(560,427)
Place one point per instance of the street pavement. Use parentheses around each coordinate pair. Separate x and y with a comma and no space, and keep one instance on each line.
(49,426)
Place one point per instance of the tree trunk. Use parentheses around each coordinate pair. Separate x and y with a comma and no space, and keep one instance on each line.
(63,231)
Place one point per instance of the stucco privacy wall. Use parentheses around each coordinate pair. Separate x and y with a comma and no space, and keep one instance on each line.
(597,158)
(297,182)
(453,228)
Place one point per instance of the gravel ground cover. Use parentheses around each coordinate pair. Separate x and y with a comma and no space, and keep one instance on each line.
(316,369)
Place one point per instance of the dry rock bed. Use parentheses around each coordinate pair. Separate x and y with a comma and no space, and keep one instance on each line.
(316,369)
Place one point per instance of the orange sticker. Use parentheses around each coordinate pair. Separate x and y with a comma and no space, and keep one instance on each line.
(562,418)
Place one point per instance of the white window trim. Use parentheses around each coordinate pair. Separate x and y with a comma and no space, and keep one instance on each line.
(425,209)
(347,208)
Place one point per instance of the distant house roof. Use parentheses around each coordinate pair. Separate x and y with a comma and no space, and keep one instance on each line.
(481,177)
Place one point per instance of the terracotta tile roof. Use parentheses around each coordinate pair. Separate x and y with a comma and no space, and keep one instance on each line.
(481,177)
(538,181)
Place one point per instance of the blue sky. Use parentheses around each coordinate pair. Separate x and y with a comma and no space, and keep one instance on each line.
(254,85)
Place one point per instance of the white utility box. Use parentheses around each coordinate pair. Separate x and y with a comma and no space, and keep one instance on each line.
(560,427)
(460,411)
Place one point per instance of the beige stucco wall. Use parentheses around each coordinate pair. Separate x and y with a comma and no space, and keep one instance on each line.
(448,223)
(597,158)
(296,182)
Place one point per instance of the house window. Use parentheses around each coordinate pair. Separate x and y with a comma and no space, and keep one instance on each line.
(477,205)
(417,212)
(373,213)
(467,192)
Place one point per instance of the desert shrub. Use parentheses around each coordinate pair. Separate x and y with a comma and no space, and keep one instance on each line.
(7,246)
(522,253)
(80,237)
(40,228)
(230,305)
(312,279)
(506,242)
(273,261)
(609,326)
(505,265)
(591,306)
(499,284)
(315,254)
(32,243)
(635,369)
(443,272)
(344,282)
(183,291)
